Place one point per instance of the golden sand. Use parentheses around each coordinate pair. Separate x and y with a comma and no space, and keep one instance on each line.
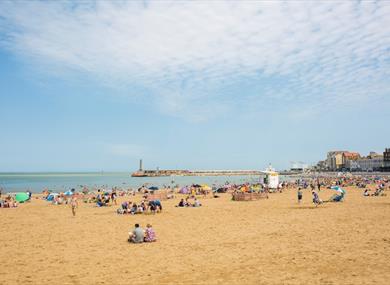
(272,241)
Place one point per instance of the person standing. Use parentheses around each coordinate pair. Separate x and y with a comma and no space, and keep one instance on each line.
(300,195)
(113,196)
(74,204)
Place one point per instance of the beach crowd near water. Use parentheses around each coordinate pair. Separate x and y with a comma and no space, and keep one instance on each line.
(199,224)
(150,197)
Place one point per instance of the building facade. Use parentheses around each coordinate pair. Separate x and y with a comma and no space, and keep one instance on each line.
(334,159)
(370,164)
(386,160)
(349,158)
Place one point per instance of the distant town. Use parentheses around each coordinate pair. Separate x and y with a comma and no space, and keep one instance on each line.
(342,160)
(336,160)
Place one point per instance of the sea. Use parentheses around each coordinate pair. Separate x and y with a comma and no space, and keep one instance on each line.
(61,182)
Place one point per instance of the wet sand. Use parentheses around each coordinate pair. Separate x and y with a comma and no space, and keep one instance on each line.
(274,241)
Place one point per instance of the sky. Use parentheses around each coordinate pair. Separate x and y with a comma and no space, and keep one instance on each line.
(91,86)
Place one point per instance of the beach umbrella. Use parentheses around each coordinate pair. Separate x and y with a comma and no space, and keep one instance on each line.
(21,197)
(153,188)
(338,189)
(196,185)
(68,193)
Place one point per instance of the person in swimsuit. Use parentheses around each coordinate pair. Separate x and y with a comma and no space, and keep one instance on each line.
(74,204)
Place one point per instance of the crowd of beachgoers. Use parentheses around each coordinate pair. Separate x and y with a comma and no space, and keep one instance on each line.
(106,196)
(150,197)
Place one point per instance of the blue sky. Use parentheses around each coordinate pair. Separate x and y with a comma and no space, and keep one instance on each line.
(207,85)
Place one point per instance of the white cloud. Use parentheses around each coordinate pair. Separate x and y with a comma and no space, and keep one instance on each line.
(186,53)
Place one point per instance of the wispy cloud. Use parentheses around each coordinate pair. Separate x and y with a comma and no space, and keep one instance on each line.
(190,54)
(126,150)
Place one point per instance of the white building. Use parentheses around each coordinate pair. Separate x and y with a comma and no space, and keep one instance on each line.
(369,164)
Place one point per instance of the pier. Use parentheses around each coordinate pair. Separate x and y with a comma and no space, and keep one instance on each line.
(156,173)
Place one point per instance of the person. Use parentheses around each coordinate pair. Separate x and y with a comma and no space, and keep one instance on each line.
(300,195)
(181,203)
(125,205)
(74,204)
(158,205)
(137,236)
(134,209)
(29,193)
(316,198)
(197,203)
(150,235)
(114,196)
(140,209)
(366,193)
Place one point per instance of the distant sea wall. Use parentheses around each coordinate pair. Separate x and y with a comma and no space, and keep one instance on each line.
(156,173)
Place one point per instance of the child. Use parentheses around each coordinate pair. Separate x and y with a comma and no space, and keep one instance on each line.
(300,195)
(74,204)
(150,235)
(316,199)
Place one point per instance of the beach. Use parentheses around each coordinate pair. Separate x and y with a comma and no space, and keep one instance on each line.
(269,241)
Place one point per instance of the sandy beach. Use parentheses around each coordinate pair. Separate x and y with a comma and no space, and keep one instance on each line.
(273,241)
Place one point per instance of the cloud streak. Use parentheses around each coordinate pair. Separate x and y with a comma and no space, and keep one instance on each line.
(191,54)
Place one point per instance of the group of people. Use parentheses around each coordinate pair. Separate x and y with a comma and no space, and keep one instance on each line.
(153,206)
(379,191)
(187,203)
(316,198)
(138,235)
(103,199)
(8,202)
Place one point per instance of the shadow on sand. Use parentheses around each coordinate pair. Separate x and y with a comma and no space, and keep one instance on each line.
(306,207)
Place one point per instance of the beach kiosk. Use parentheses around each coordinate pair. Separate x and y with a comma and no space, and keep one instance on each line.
(271,179)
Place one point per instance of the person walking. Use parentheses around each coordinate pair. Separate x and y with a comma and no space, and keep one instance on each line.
(74,204)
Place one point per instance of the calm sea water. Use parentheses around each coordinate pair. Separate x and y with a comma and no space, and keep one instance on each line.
(36,182)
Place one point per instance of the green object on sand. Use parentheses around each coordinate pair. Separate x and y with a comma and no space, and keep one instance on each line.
(21,197)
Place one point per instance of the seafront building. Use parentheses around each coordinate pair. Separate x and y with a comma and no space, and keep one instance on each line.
(386,160)
(352,161)
(334,160)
